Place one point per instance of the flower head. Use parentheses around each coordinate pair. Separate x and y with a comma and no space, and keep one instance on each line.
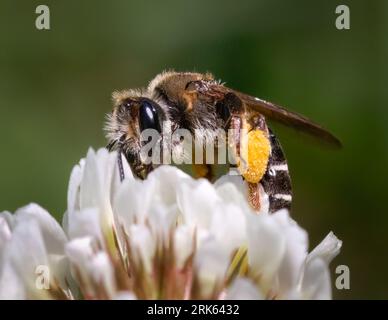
(166,237)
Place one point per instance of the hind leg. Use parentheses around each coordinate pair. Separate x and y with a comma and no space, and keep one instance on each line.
(250,144)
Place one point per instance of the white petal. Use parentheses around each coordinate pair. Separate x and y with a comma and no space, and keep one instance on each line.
(162,219)
(327,250)
(235,180)
(60,268)
(295,254)
(316,281)
(125,295)
(11,284)
(36,239)
(80,250)
(53,235)
(168,180)
(8,218)
(91,189)
(6,225)
(94,267)
(197,200)
(230,194)
(128,175)
(183,244)
(73,191)
(228,225)
(65,222)
(266,246)
(133,201)
(26,252)
(85,223)
(143,245)
(243,289)
(233,189)
(97,179)
(5,232)
(101,269)
(210,263)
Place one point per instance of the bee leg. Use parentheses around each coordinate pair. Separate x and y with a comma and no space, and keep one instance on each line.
(248,140)
(251,146)
(234,140)
(259,130)
(254,195)
(203,171)
(138,167)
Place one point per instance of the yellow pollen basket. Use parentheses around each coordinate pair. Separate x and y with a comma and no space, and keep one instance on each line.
(255,151)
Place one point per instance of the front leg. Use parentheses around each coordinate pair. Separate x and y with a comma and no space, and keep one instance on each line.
(132,152)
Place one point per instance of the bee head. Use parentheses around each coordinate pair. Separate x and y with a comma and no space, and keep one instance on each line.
(132,114)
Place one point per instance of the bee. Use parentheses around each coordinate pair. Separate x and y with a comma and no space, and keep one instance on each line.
(199,103)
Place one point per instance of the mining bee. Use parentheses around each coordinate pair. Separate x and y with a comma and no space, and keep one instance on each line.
(199,103)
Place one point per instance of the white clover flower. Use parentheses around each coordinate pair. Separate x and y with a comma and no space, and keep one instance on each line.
(167,237)
(30,241)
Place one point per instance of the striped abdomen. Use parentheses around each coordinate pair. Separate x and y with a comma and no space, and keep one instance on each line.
(276,180)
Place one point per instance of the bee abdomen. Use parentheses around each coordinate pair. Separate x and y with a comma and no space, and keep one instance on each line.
(276,180)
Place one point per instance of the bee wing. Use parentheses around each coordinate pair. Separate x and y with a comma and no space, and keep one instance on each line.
(289,118)
(281,115)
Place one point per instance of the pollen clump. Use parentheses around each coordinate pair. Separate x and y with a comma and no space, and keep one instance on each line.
(256,148)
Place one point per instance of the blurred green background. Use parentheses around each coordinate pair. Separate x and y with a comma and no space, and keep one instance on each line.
(55,89)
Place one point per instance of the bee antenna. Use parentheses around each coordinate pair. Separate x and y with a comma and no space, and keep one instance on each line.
(120,164)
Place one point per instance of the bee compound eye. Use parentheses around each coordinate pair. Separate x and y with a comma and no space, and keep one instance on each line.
(148,117)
